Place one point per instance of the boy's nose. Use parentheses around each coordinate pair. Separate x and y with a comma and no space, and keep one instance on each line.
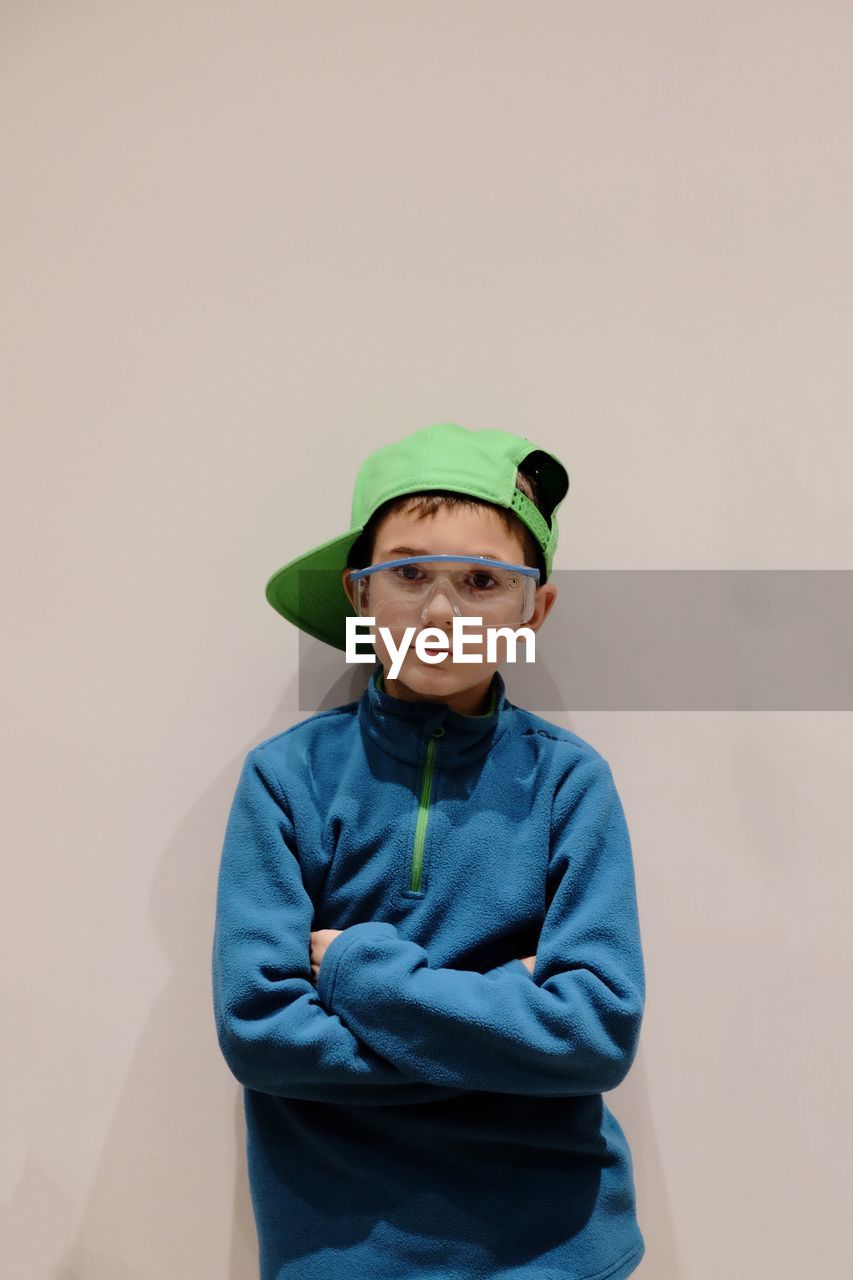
(438,610)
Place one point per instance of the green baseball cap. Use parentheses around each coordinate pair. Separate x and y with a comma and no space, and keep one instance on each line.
(308,591)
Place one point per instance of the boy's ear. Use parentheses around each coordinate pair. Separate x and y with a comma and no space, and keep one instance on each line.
(544,603)
(349,588)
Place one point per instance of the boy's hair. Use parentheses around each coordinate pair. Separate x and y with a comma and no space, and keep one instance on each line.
(428,501)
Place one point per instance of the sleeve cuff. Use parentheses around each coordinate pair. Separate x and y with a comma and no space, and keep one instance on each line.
(337,947)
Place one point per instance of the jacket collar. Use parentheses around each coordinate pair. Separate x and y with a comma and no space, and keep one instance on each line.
(403,729)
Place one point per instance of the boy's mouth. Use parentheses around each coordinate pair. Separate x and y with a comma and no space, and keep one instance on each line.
(432,647)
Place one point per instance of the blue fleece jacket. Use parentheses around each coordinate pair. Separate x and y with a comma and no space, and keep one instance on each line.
(430,1109)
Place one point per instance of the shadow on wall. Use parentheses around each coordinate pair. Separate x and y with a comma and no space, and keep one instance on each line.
(155,1206)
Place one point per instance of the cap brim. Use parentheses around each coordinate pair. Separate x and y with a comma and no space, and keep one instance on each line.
(309,592)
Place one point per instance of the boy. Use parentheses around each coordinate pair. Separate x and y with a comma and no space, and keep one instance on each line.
(426,963)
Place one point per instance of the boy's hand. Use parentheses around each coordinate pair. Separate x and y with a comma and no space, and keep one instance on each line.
(320,940)
(530,961)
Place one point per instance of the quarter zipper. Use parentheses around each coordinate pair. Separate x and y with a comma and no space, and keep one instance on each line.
(423,814)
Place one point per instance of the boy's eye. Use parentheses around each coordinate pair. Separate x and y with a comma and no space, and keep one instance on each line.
(478,580)
(409,572)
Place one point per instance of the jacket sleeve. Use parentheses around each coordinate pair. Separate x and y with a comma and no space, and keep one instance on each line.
(273,1031)
(572,1029)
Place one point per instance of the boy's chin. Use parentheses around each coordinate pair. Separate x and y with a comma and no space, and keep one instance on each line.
(426,677)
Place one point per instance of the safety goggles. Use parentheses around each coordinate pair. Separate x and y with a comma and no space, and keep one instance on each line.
(402,591)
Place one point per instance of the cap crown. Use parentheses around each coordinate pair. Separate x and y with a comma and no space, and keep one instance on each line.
(481,464)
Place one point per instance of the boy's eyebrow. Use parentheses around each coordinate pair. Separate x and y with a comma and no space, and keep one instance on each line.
(422,551)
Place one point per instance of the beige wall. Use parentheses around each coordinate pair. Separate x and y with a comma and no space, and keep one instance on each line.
(243,246)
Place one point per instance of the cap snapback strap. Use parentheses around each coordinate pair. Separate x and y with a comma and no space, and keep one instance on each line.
(533,517)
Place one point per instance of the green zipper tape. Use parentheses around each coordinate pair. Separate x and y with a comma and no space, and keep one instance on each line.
(423,814)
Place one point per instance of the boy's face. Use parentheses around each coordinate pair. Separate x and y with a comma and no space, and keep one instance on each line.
(472,531)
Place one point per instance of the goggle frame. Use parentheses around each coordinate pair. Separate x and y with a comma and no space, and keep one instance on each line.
(357,575)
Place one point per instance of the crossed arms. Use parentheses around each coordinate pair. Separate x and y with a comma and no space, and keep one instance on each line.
(383,1027)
